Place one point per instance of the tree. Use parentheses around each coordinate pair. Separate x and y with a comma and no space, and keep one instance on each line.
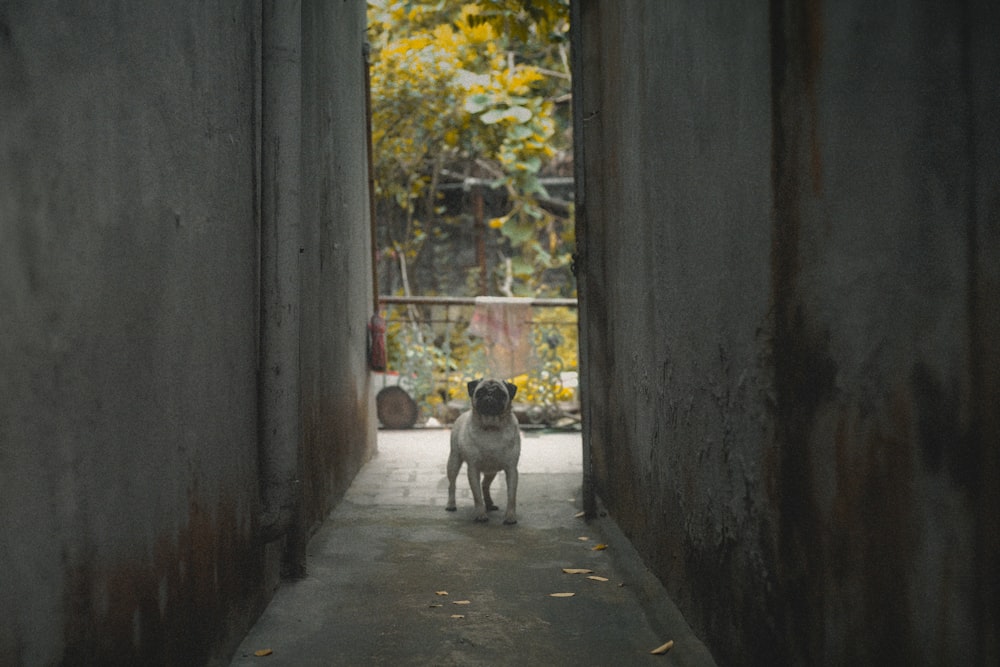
(475,93)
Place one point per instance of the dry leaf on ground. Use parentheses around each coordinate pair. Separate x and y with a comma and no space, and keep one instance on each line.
(597,578)
(576,570)
(263,652)
(599,547)
(440,592)
(579,515)
(458,615)
(561,595)
(462,602)
(583,538)
(663,649)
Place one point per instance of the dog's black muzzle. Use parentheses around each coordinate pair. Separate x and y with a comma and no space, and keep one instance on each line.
(491,400)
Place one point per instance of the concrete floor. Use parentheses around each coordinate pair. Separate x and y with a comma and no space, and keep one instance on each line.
(379,566)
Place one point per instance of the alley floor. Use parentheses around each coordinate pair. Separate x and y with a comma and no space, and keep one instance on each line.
(394,579)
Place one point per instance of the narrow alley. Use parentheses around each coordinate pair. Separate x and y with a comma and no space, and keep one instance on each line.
(394,579)
(785,260)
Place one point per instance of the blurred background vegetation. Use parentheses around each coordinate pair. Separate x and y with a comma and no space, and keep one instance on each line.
(472,158)
(472,100)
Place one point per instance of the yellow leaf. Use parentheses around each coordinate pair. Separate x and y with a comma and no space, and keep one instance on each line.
(663,649)
(576,570)
(263,652)
(561,595)
(599,547)
(596,578)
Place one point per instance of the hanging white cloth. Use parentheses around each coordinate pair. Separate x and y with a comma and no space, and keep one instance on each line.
(505,323)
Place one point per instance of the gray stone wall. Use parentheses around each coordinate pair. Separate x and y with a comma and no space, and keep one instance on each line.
(789,302)
(130,326)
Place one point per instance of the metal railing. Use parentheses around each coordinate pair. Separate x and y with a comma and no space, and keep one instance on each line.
(436,344)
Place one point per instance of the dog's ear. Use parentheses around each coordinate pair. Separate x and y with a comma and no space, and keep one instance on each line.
(472,387)
(511,389)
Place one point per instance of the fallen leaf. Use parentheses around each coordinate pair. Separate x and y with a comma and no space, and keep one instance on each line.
(663,649)
(462,602)
(599,547)
(576,570)
(596,578)
(458,615)
(435,606)
(583,538)
(579,515)
(263,652)
(440,592)
(561,595)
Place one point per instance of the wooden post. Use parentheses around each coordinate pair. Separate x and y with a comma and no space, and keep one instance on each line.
(480,227)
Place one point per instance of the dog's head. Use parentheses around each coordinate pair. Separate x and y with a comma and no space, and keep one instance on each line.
(491,397)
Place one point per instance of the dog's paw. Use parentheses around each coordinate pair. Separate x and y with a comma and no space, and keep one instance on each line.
(451,509)
(482,518)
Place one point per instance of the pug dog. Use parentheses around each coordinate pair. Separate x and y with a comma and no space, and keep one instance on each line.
(487,439)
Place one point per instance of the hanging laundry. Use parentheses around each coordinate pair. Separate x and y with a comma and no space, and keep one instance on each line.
(505,323)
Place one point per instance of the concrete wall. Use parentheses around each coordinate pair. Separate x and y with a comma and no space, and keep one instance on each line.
(132,465)
(790,302)
(338,417)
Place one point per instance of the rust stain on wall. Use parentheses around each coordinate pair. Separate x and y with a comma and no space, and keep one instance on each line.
(803,369)
(181,606)
(870,527)
(812,60)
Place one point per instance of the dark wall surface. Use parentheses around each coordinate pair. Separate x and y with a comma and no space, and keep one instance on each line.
(790,309)
(130,449)
(338,415)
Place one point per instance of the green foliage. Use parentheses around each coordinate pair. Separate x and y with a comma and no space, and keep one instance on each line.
(469,90)
(473,90)
(525,19)
(434,353)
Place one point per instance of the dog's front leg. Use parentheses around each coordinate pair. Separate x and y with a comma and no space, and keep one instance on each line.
(454,465)
(487,497)
(477,491)
(510,516)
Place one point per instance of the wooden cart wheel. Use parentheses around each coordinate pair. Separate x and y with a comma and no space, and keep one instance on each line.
(396,409)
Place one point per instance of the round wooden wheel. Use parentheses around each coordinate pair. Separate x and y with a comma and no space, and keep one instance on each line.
(396,409)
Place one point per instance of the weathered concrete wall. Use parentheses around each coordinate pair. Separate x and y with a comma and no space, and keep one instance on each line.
(338,415)
(790,308)
(130,480)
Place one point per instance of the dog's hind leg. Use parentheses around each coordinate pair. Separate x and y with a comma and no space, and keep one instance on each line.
(510,515)
(487,499)
(454,465)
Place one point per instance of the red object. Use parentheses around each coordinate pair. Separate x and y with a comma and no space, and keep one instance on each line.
(376,343)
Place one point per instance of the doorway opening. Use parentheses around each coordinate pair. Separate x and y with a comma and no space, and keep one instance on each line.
(473,229)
